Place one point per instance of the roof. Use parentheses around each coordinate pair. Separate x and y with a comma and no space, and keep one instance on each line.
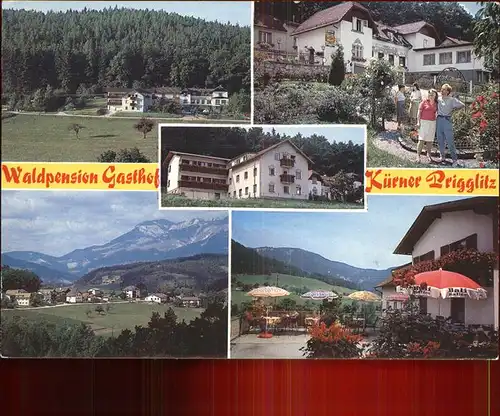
(167,90)
(383,31)
(73,293)
(415,27)
(15,291)
(429,213)
(159,295)
(269,22)
(450,40)
(329,16)
(274,146)
(314,173)
(127,288)
(172,153)
(190,298)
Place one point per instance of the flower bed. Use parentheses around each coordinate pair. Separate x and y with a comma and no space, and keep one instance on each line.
(334,341)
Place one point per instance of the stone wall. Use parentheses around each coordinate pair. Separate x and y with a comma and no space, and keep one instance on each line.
(292,71)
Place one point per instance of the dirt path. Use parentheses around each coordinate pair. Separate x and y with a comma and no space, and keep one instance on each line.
(70,304)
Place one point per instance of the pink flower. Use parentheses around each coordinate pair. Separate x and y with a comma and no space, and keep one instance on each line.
(477,115)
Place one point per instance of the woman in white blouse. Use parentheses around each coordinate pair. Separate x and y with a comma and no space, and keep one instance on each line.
(415,100)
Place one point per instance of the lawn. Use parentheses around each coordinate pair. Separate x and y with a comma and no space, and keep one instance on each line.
(286,282)
(121,316)
(91,107)
(178,201)
(47,138)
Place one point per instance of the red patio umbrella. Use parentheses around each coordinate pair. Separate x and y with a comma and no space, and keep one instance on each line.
(445,284)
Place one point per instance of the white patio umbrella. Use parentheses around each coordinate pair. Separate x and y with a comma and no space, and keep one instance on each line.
(267,292)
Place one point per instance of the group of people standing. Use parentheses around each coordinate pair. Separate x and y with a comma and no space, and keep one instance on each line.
(432,116)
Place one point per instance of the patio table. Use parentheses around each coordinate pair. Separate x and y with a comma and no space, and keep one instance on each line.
(311,321)
(272,321)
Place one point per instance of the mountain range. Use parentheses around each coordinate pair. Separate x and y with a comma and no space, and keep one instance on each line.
(288,260)
(149,241)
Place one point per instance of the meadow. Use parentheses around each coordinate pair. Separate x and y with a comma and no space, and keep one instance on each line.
(121,315)
(168,201)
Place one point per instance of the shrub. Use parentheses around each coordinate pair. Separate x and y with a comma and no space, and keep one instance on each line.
(334,341)
(101,111)
(485,125)
(405,333)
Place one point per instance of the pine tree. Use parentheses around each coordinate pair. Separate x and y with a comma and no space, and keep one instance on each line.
(337,69)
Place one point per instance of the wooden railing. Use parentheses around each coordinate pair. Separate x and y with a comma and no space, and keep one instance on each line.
(203,185)
(287,162)
(287,178)
(203,169)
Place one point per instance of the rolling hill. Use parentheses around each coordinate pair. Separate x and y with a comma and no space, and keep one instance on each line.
(197,272)
(315,264)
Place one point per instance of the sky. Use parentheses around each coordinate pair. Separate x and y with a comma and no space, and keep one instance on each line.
(471,7)
(360,239)
(233,12)
(337,133)
(57,222)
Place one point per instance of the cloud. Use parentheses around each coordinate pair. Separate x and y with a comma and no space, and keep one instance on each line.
(55,222)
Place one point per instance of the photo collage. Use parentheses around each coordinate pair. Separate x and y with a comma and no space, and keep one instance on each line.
(249,180)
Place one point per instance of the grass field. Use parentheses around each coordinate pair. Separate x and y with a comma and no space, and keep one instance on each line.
(121,316)
(376,158)
(48,138)
(178,201)
(285,281)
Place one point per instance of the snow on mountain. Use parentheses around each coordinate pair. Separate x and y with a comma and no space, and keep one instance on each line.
(148,241)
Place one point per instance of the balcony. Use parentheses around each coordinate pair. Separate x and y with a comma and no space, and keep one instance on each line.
(287,162)
(287,178)
(204,185)
(203,169)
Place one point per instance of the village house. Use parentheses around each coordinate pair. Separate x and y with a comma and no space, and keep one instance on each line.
(19,296)
(132,292)
(470,223)
(74,296)
(46,294)
(414,48)
(279,171)
(190,301)
(157,298)
(95,292)
(273,36)
(196,176)
(140,100)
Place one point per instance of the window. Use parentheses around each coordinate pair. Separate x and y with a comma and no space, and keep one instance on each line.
(299,190)
(240,192)
(246,190)
(217,195)
(429,59)
(422,305)
(295,42)
(169,168)
(286,190)
(445,58)
(276,156)
(381,55)
(357,49)
(254,172)
(230,181)
(255,189)
(271,188)
(425,43)
(315,191)
(391,59)
(234,194)
(168,184)
(466,243)
(424,257)
(357,25)
(271,171)
(265,37)
(479,77)
(402,61)
(457,310)
(245,175)
(237,178)
(464,57)
(314,180)
(298,174)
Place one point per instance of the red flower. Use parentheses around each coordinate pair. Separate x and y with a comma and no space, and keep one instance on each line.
(483,125)
(477,115)
(480,98)
(494,95)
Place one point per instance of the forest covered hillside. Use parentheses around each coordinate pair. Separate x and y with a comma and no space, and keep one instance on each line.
(126,48)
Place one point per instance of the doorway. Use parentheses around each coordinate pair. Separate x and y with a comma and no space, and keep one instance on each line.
(457,310)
